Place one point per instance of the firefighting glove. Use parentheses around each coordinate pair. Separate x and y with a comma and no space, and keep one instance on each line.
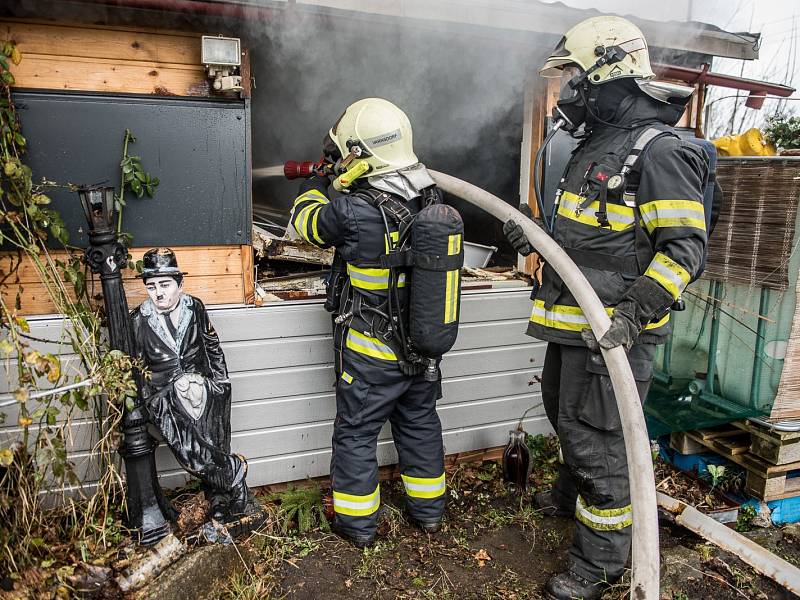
(515,235)
(315,182)
(645,301)
(623,331)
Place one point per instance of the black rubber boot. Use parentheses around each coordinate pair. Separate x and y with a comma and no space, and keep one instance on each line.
(428,526)
(545,503)
(569,586)
(359,541)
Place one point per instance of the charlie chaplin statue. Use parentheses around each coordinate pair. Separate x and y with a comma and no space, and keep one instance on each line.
(188,395)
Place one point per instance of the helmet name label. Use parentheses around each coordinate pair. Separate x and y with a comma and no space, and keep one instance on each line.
(384,139)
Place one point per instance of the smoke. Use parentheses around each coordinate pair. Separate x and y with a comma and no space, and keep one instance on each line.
(462,88)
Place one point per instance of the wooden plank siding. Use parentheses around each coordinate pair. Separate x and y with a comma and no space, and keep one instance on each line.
(97,58)
(280,362)
(217,274)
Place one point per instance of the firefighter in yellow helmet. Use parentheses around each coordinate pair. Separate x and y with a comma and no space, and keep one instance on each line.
(382,374)
(629,212)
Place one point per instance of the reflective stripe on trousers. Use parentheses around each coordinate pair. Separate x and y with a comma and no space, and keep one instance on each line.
(607,519)
(354,505)
(424,487)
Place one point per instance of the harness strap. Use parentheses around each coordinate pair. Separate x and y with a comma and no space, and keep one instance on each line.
(397,258)
(602,212)
(642,241)
(604,262)
(393,207)
(640,144)
(431,262)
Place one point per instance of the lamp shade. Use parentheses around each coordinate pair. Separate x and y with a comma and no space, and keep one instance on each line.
(98,207)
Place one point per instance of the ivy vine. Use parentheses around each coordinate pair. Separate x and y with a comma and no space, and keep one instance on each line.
(34,456)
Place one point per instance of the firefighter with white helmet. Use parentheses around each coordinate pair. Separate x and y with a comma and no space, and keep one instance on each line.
(384,370)
(629,212)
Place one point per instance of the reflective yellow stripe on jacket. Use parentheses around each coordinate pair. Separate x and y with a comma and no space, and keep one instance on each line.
(571,318)
(673,213)
(368,346)
(620,217)
(672,277)
(600,519)
(372,279)
(356,506)
(424,487)
(305,217)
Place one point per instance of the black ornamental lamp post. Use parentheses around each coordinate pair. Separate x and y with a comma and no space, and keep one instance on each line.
(106,256)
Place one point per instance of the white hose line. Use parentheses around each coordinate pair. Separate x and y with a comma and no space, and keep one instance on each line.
(758,557)
(645,553)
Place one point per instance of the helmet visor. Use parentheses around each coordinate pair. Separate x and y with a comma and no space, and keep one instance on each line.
(568,74)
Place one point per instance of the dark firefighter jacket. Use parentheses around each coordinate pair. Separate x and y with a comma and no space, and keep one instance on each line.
(668,208)
(356,229)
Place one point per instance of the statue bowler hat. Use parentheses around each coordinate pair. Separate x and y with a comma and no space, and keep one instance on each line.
(160,262)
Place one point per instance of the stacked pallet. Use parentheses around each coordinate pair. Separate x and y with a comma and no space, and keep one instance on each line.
(770,458)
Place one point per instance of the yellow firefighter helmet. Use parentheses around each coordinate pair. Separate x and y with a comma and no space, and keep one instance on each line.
(380,131)
(587,41)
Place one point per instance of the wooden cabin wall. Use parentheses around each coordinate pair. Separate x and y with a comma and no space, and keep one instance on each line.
(106,59)
(95,58)
(215,274)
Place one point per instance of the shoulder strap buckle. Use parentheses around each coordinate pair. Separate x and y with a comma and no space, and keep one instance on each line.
(386,202)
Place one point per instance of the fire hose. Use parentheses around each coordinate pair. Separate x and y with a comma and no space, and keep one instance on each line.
(645,550)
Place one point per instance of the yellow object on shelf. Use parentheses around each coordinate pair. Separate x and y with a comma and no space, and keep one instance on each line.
(749,143)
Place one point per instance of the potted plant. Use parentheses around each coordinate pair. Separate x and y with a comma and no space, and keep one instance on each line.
(783,131)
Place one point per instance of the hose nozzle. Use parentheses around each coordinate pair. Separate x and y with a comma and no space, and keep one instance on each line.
(293,169)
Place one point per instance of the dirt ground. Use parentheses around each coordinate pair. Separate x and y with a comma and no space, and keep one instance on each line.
(493,545)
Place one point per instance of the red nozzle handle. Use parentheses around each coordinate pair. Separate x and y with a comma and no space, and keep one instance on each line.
(293,169)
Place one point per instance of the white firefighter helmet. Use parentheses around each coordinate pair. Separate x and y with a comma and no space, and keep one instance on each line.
(381,131)
(588,40)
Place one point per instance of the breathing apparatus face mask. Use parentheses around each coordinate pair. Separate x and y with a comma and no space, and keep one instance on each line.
(571,106)
(329,149)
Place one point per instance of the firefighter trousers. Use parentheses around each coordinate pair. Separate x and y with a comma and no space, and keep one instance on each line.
(362,408)
(593,477)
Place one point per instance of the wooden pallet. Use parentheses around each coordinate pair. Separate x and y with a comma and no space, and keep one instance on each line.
(764,480)
(775,447)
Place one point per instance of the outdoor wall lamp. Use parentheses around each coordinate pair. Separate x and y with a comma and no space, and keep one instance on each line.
(107,256)
(222,57)
(98,207)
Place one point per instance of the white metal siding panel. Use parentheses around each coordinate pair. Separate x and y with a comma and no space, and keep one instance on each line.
(279,357)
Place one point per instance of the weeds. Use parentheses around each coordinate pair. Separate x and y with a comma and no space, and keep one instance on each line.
(301,510)
(747,513)
(35,457)
(544,458)
(243,586)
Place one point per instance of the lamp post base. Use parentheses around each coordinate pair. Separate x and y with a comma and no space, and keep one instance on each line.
(148,508)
